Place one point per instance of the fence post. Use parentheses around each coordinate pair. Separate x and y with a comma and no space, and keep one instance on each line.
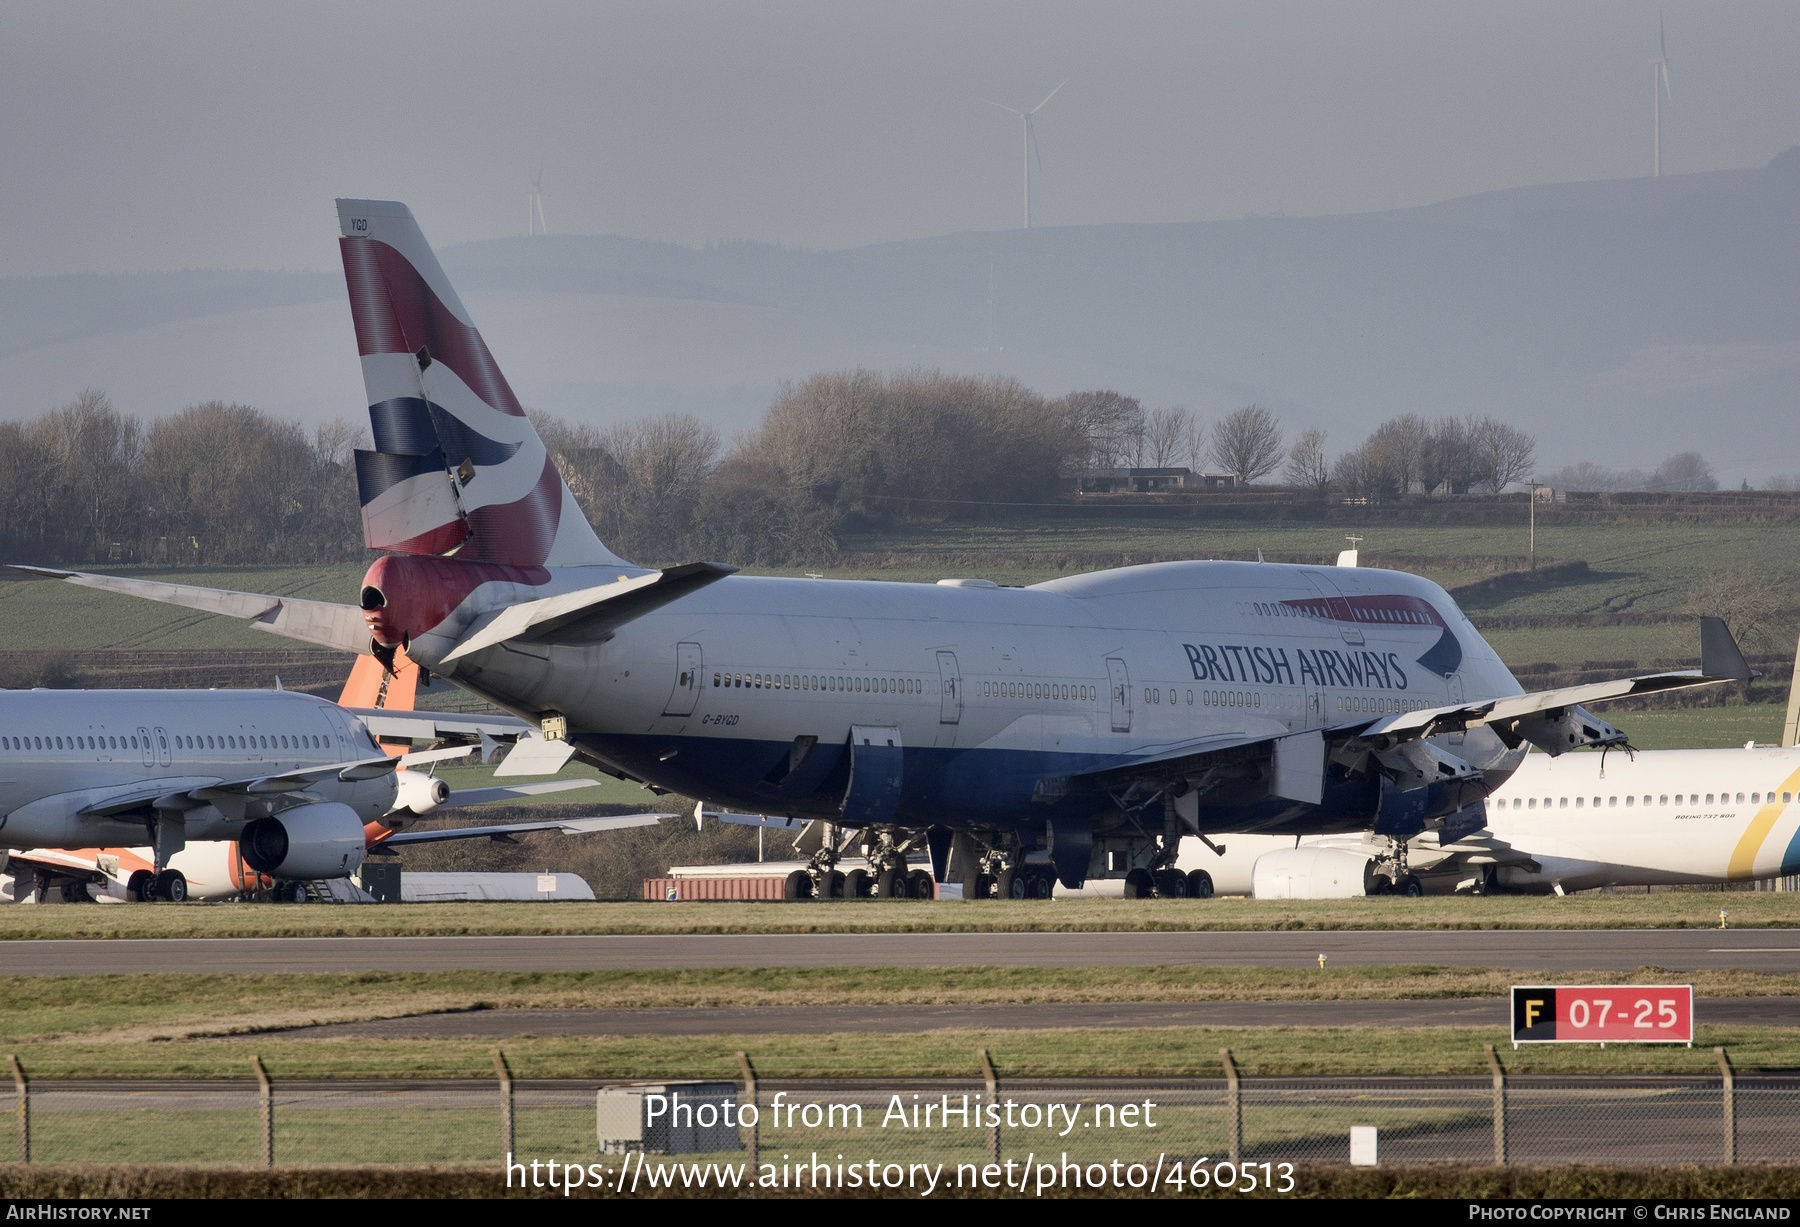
(750,1096)
(1499,1071)
(993,1094)
(266,1103)
(23,1086)
(1730,1098)
(506,1103)
(1234,1106)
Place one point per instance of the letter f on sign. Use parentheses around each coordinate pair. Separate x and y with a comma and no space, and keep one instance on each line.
(1533,1007)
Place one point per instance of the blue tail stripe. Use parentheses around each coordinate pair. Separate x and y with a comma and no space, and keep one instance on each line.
(460,441)
(402,426)
(379,472)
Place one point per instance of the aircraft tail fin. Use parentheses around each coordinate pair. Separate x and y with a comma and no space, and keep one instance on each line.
(457,467)
(373,684)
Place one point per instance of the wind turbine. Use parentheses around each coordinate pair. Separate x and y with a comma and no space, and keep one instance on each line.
(1659,89)
(534,206)
(1029,135)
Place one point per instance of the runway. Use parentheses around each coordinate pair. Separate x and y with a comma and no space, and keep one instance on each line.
(826,1020)
(1679,950)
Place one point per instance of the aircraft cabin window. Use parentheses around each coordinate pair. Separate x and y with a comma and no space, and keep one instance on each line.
(1740,798)
(1563,803)
(1709,799)
(1755,798)
(1786,797)
(1630,801)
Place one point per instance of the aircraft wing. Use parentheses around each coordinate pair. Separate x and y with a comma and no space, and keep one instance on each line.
(162,796)
(1553,720)
(568,826)
(590,615)
(321,622)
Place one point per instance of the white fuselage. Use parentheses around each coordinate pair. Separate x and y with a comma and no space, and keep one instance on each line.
(63,752)
(986,691)
(1658,817)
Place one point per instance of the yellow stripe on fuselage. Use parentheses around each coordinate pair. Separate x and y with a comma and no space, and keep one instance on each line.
(1743,857)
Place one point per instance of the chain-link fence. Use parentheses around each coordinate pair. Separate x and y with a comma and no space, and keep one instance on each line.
(1535,1119)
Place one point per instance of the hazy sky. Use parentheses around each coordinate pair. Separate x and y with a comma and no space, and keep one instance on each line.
(189,134)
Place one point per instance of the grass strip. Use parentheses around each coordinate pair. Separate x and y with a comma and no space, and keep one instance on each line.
(1667,910)
(1574,1182)
(140,1008)
(949,1053)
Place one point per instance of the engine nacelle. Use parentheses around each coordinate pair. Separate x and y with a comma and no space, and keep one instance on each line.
(323,840)
(418,793)
(1312,873)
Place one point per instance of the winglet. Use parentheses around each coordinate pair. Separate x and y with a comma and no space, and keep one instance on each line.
(1719,654)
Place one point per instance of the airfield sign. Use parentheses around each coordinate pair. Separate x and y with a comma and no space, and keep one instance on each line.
(1603,1014)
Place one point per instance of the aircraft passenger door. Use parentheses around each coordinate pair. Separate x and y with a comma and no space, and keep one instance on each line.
(162,747)
(950,702)
(1120,678)
(686,690)
(149,754)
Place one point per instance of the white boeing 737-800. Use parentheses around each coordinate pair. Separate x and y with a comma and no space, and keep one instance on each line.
(1654,818)
(1069,730)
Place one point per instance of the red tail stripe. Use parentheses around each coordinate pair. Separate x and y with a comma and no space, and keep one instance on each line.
(396,312)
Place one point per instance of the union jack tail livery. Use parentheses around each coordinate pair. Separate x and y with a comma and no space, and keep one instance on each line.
(457,467)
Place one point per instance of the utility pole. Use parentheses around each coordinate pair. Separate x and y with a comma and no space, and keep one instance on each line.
(1531,498)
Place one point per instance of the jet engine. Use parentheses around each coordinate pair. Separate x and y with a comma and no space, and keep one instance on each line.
(418,793)
(1312,873)
(322,840)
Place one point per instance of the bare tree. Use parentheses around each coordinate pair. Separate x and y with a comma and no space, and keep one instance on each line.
(1744,598)
(1500,453)
(1166,436)
(1307,466)
(1111,424)
(1397,452)
(1247,443)
(1683,471)
(1361,472)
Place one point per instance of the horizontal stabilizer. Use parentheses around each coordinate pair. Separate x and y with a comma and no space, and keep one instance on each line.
(320,622)
(407,725)
(568,826)
(480,796)
(590,615)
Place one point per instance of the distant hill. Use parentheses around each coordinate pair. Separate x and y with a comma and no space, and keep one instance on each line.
(1620,320)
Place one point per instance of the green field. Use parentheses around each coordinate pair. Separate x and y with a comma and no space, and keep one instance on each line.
(156,1008)
(1635,568)
(1119,1052)
(1677,909)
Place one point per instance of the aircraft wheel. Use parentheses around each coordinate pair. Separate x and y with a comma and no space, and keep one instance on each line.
(1013,884)
(891,884)
(920,885)
(1411,887)
(1171,884)
(141,887)
(856,884)
(1138,884)
(1043,885)
(984,886)
(1199,884)
(799,886)
(833,885)
(170,885)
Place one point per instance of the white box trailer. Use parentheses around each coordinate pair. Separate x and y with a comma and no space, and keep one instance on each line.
(668,1118)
